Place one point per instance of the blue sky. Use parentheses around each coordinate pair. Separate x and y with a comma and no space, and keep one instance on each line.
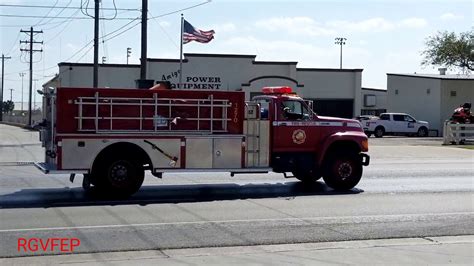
(382,36)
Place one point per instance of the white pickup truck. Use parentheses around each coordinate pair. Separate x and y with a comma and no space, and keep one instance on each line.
(395,124)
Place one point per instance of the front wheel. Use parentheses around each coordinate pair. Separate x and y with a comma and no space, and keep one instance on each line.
(422,132)
(343,171)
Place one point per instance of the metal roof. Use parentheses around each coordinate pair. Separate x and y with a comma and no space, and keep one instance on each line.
(437,76)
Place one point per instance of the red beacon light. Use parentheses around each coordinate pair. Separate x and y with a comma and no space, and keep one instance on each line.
(277,90)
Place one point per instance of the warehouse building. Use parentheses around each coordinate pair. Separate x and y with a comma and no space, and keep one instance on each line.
(336,92)
(374,101)
(430,98)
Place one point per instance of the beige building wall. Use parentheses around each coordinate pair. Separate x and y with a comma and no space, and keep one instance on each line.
(374,101)
(464,92)
(417,96)
(224,72)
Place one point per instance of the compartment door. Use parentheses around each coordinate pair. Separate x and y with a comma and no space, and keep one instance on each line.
(227,153)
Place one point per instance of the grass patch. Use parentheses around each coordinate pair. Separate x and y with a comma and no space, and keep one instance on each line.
(469,147)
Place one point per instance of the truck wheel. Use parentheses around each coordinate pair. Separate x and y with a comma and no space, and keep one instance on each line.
(307,177)
(120,176)
(343,171)
(378,132)
(422,132)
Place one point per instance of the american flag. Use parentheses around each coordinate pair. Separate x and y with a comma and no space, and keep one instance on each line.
(192,34)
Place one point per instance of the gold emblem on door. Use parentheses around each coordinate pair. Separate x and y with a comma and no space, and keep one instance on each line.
(299,136)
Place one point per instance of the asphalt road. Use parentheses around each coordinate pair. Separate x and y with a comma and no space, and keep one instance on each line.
(414,190)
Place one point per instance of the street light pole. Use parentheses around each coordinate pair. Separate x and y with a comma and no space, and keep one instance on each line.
(340,41)
(129,51)
(34,94)
(22,75)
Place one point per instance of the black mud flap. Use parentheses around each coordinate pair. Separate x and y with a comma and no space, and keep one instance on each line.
(365,159)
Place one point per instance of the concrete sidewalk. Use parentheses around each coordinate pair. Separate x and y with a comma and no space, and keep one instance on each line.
(458,250)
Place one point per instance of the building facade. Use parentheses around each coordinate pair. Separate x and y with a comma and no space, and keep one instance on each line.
(336,92)
(374,101)
(430,98)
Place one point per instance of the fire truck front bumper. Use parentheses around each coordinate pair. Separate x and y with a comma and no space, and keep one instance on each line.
(365,159)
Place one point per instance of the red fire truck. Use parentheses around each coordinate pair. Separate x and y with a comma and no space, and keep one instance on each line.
(112,136)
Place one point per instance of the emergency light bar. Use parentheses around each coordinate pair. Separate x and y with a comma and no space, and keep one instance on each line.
(277,90)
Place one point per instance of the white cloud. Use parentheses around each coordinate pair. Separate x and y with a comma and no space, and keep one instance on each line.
(450,16)
(224,28)
(372,25)
(376,24)
(309,27)
(164,24)
(413,23)
(295,25)
(72,47)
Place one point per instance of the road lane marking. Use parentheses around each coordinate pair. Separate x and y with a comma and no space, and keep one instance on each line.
(312,220)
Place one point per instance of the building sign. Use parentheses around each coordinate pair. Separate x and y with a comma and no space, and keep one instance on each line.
(193,82)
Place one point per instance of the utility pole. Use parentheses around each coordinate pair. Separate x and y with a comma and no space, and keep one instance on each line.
(129,52)
(340,41)
(31,51)
(96,44)
(144,43)
(22,75)
(3,82)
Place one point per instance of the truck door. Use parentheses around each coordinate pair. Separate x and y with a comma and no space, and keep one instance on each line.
(399,124)
(411,124)
(294,128)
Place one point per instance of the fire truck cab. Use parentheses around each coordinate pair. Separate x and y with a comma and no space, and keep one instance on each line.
(112,136)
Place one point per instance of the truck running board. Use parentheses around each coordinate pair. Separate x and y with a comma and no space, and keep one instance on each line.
(48,168)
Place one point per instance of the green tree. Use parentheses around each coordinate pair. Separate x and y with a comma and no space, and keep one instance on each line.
(450,50)
(8,106)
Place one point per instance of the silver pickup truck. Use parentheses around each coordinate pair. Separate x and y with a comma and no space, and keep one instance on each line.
(395,124)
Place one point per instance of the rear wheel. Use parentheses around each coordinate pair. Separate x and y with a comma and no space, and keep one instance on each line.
(343,171)
(378,133)
(118,176)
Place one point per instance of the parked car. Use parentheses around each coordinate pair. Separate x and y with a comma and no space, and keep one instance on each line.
(365,117)
(362,119)
(396,124)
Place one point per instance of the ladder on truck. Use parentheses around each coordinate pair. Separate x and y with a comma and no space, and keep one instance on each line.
(149,115)
(252,134)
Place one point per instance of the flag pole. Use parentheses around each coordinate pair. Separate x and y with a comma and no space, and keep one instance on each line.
(181,55)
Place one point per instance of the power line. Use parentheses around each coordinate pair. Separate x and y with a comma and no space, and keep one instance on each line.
(57,15)
(183,9)
(164,31)
(49,11)
(31,16)
(68,20)
(65,7)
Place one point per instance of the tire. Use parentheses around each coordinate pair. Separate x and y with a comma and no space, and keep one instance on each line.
(368,134)
(119,177)
(379,132)
(422,132)
(343,171)
(307,177)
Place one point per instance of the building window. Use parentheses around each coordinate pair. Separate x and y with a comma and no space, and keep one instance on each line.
(396,92)
(370,100)
(453,93)
(428,91)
